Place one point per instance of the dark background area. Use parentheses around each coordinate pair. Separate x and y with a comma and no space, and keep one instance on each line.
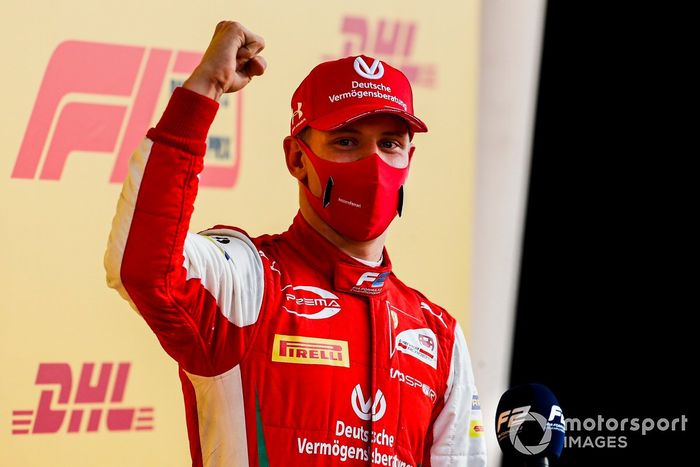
(609,262)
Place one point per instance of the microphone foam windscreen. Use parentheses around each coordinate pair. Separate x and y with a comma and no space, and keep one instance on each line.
(530,423)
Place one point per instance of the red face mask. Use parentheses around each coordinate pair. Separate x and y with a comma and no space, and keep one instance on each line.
(359,199)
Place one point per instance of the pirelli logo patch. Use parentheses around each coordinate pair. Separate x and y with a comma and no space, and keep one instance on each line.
(310,351)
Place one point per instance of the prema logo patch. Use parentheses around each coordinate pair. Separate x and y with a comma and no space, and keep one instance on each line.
(101,98)
(418,343)
(310,351)
(370,408)
(307,301)
(94,404)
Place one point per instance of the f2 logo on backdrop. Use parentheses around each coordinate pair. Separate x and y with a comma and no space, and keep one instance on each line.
(60,402)
(390,39)
(75,109)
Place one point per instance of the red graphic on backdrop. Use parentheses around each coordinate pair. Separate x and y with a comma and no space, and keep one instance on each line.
(96,402)
(392,40)
(70,112)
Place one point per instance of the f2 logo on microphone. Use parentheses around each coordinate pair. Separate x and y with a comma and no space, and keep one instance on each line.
(519,415)
(514,417)
(377,279)
(556,412)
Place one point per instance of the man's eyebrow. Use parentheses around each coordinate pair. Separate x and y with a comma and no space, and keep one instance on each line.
(395,133)
(355,132)
(344,130)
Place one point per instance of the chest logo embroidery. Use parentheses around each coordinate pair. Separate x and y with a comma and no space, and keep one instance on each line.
(310,302)
(370,408)
(413,382)
(310,351)
(418,343)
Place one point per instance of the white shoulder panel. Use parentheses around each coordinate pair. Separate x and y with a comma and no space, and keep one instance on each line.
(229,267)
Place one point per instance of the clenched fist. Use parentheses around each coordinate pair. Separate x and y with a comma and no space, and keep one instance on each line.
(230,62)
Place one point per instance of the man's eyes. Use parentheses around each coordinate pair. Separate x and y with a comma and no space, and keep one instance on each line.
(344,141)
(389,144)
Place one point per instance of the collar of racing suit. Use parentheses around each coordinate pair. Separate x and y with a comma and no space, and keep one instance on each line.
(349,275)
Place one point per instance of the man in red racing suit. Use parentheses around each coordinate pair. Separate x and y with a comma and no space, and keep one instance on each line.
(293,349)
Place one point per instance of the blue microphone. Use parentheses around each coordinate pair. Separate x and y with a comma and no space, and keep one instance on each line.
(530,425)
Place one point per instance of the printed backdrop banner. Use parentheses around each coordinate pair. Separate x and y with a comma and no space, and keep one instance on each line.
(85,381)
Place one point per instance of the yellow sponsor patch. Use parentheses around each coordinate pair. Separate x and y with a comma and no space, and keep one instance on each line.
(310,351)
(476,429)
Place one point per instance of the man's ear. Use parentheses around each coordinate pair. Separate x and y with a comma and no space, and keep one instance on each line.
(293,156)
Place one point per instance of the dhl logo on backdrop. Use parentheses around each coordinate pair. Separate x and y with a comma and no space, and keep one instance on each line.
(391,40)
(75,110)
(94,404)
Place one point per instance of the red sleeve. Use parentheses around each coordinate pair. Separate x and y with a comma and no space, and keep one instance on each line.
(165,273)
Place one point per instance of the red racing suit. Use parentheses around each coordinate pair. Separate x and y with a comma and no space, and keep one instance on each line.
(290,351)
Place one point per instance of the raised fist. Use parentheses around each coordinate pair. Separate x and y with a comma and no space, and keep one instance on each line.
(230,62)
